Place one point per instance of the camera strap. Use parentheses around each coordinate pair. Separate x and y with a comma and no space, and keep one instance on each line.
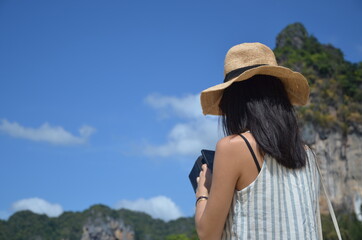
(330,207)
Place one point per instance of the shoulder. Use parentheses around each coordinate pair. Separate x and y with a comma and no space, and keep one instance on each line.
(231,147)
(227,161)
(231,142)
(227,143)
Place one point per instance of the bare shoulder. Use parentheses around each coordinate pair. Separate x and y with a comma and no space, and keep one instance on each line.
(228,142)
(230,147)
(234,146)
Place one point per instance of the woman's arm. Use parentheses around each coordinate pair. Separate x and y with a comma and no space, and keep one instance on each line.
(211,214)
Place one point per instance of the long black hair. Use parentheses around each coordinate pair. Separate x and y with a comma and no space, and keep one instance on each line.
(261,105)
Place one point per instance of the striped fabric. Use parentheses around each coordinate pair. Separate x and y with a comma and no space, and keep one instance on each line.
(280,204)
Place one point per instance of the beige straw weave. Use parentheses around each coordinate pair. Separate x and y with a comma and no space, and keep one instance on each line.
(249,54)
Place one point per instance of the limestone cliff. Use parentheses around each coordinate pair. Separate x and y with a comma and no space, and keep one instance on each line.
(340,160)
(106,229)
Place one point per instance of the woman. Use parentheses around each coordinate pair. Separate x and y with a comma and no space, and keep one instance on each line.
(264,183)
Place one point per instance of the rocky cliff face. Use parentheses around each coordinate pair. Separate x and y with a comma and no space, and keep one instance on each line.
(106,229)
(340,160)
(294,35)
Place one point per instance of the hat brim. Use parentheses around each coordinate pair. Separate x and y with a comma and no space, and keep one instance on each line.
(296,86)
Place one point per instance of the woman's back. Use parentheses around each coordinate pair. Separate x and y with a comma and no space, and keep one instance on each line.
(281,203)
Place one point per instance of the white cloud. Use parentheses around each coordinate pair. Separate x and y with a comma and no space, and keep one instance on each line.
(196,132)
(158,207)
(39,206)
(187,139)
(46,133)
(188,106)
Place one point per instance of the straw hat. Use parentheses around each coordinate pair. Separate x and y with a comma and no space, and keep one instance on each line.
(245,60)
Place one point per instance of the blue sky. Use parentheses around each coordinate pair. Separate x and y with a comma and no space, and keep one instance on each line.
(99,99)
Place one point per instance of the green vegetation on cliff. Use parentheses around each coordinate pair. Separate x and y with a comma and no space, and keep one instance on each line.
(350,227)
(27,225)
(69,226)
(336,84)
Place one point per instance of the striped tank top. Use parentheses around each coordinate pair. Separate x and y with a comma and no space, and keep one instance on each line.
(281,203)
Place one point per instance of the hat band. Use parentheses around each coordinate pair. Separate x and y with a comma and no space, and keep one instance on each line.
(236,72)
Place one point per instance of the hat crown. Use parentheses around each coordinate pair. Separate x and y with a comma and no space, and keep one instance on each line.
(248,54)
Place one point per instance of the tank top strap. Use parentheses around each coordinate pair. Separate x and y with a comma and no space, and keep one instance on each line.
(251,151)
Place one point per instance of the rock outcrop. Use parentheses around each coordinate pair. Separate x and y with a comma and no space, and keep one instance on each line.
(293,35)
(106,229)
(340,160)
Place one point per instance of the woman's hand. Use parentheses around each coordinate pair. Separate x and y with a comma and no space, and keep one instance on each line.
(204,182)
